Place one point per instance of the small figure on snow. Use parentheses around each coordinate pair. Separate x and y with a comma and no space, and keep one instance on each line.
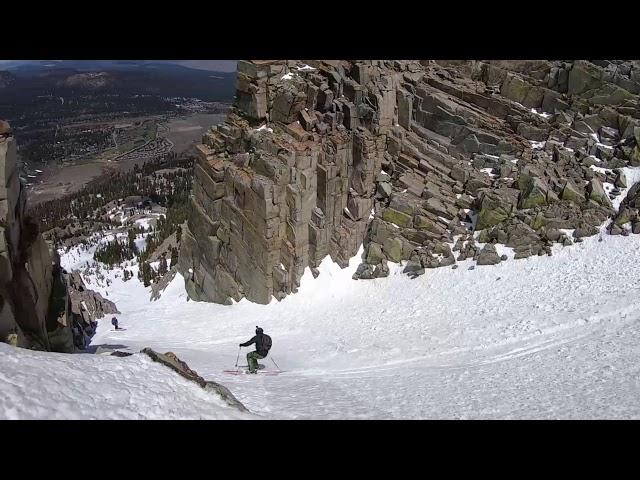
(114,322)
(263,345)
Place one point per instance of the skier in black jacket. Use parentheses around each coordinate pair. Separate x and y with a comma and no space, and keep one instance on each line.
(263,344)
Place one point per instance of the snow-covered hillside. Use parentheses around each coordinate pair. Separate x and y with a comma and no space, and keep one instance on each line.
(40,385)
(543,337)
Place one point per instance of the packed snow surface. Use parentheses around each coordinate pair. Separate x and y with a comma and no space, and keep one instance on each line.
(542,337)
(42,385)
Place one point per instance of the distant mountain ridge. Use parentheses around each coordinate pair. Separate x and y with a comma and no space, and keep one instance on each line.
(115,77)
(93,65)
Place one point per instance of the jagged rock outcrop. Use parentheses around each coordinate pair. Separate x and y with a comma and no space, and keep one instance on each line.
(34,303)
(84,309)
(629,212)
(267,204)
(170,360)
(408,158)
(160,286)
(87,304)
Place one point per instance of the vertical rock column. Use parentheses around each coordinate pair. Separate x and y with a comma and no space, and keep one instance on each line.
(288,179)
(26,265)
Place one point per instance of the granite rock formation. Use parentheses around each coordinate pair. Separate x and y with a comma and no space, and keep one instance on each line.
(417,160)
(35,305)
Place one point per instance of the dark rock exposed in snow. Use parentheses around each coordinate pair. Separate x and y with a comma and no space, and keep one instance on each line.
(170,360)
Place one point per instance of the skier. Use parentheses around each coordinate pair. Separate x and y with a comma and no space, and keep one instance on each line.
(114,322)
(263,344)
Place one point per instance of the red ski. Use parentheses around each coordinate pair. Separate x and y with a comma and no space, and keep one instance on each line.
(260,372)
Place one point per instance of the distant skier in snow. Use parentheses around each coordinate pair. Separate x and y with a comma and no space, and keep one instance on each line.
(263,344)
(114,322)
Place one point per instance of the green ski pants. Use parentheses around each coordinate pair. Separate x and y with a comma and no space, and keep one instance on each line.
(252,361)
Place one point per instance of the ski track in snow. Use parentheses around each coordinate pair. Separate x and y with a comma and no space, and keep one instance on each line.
(543,337)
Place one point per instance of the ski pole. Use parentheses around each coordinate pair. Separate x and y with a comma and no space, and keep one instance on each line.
(274,362)
(238,357)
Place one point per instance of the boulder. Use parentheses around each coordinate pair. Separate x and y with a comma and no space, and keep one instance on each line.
(447,260)
(585,231)
(582,77)
(534,194)
(464,201)
(615,229)
(436,207)
(496,206)
(363,272)
(374,253)
(596,193)
(421,222)
(625,215)
(413,269)
(488,255)
(170,360)
(608,135)
(572,193)
(384,189)
(517,89)
(381,270)
(393,249)
(397,218)
(522,251)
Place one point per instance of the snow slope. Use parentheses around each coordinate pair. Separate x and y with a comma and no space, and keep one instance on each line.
(39,385)
(543,337)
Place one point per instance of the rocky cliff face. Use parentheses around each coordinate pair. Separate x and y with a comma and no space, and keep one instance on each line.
(410,158)
(34,300)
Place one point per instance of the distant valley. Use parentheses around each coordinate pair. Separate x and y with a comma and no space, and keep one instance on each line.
(75,120)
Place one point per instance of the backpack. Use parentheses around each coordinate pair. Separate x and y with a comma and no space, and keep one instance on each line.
(266,343)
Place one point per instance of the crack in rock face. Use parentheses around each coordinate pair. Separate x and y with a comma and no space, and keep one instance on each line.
(415,160)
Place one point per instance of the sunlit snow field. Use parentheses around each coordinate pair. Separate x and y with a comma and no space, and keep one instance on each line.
(543,337)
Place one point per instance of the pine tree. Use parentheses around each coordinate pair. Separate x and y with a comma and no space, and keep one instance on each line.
(132,239)
(146,274)
(174,257)
(163,265)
